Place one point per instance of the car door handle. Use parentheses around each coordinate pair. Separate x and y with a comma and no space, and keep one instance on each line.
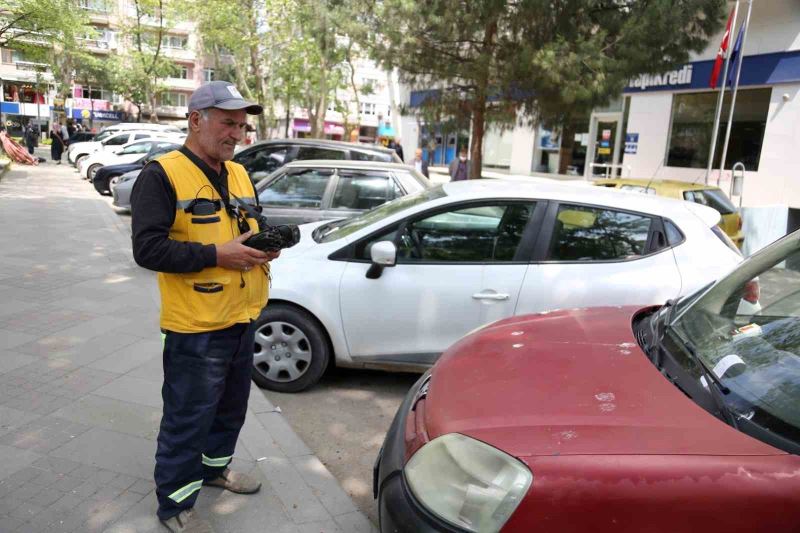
(490,296)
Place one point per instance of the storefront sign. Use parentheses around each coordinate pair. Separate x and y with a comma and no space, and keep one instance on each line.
(672,78)
(85,103)
(86,114)
(631,143)
(761,69)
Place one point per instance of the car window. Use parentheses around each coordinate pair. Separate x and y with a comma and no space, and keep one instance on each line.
(312,152)
(301,189)
(117,141)
(717,199)
(361,191)
(138,148)
(358,155)
(585,233)
(138,136)
(487,233)
(261,162)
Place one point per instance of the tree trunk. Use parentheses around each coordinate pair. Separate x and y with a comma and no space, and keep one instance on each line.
(479,104)
(317,119)
(357,127)
(567,143)
(153,99)
(478,130)
(255,61)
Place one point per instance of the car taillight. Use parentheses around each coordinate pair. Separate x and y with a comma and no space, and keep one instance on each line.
(752,291)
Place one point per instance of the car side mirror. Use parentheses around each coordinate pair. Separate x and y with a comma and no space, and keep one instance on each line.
(383,254)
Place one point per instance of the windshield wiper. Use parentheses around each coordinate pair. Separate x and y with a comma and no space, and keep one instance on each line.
(662,319)
(715,387)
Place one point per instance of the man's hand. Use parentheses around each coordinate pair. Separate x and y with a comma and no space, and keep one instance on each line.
(234,255)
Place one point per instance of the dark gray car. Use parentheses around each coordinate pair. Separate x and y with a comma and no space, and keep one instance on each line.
(308,191)
(263,158)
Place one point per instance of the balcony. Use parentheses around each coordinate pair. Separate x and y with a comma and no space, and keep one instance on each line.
(98,45)
(181,84)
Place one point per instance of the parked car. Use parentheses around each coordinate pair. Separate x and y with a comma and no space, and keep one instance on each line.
(611,419)
(77,152)
(142,126)
(105,176)
(309,191)
(263,158)
(122,187)
(126,153)
(394,287)
(80,136)
(709,195)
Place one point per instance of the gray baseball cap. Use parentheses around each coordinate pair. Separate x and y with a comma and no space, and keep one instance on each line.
(222,95)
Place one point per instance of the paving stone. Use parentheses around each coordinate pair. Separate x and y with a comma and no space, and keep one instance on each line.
(85,489)
(121,453)
(58,465)
(112,414)
(135,390)
(10,360)
(142,486)
(280,430)
(131,356)
(84,471)
(9,525)
(326,488)
(28,491)
(26,510)
(46,478)
(67,483)
(123,481)
(298,499)
(48,496)
(67,502)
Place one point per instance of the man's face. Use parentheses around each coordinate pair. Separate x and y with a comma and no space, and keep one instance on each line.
(418,154)
(219,133)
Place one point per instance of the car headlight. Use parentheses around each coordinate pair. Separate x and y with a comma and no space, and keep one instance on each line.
(467,482)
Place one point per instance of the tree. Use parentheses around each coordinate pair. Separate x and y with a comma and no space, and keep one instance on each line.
(549,59)
(25,23)
(136,73)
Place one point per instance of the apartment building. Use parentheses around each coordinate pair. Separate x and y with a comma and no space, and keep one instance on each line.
(28,88)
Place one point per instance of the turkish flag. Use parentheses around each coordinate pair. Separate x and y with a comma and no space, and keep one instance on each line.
(723,48)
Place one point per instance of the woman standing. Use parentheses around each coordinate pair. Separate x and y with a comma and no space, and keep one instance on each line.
(57,143)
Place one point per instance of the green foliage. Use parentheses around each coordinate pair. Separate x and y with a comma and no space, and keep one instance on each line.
(551,59)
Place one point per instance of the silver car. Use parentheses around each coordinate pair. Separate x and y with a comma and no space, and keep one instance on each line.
(307,191)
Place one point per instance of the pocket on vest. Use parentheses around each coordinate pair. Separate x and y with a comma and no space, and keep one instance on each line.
(207,229)
(211,300)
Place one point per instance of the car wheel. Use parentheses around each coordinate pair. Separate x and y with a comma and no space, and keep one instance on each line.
(113,182)
(291,351)
(79,159)
(90,173)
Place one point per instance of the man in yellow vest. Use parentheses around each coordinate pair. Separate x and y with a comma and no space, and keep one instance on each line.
(188,227)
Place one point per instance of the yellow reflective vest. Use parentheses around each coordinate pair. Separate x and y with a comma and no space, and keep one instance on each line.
(214,298)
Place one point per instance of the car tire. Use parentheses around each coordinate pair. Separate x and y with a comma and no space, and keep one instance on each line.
(291,349)
(79,159)
(92,170)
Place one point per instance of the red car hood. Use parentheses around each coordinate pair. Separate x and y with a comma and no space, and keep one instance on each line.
(570,382)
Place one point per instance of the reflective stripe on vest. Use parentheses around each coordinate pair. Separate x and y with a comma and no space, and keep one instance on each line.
(214,298)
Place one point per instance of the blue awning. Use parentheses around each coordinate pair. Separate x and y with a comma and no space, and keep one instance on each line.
(385,131)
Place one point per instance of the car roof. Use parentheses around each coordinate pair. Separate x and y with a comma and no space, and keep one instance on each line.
(324,143)
(346,164)
(544,188)
(658,184)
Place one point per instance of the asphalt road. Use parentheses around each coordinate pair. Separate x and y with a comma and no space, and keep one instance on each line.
(343,419)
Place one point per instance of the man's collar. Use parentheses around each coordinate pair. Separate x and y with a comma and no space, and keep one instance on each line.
(210,173)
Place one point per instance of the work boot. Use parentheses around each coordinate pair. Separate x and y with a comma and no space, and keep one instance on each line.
(187,522)
(238,482)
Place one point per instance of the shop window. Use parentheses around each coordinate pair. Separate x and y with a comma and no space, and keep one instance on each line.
(693,121)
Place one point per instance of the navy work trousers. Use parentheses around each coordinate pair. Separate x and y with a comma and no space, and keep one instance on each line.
(205,392)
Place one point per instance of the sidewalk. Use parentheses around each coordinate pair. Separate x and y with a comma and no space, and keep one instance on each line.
(80,381)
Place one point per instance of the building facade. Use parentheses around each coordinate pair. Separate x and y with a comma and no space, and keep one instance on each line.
(661,127)
(28,88)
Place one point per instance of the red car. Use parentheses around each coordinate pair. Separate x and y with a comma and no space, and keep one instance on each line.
(684,418)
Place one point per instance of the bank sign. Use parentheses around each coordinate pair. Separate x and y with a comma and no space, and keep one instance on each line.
(762,69)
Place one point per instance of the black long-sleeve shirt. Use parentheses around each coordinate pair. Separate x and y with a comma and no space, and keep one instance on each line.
(153,202)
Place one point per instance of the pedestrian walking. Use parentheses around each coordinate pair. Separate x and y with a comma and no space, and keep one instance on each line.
(186,227)
(420,164)
(459,167)
(57,141)
(31,137)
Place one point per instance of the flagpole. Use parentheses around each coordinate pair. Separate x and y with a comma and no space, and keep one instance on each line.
(739,61)
(712,150)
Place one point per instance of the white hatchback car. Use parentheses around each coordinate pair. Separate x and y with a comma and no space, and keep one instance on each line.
(127,153)
(394,287)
